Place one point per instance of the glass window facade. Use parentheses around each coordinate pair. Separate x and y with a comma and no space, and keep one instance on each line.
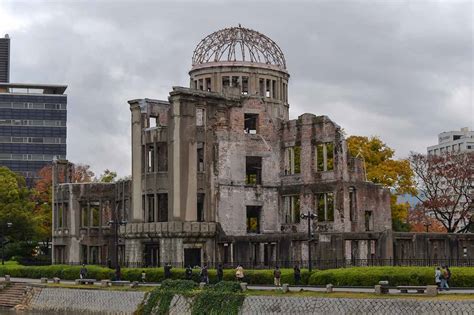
(33,131)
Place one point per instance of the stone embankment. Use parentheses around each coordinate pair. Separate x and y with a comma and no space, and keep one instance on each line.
(88,301)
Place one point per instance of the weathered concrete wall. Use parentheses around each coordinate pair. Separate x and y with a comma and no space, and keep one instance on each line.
(86,301)
(309,305)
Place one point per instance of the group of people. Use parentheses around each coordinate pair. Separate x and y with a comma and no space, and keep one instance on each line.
(239,274)
(442,277)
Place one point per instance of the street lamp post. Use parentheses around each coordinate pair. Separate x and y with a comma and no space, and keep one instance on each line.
(9,224)
(309,216)
(115,225)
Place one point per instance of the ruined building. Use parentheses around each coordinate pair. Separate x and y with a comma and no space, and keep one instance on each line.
(221,174)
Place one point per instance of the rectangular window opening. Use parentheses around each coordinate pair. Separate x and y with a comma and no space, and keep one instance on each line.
(150,166)
(253,170)
(201,84)
(235,81)
(352,204)
(291,208)
(95,214)
(245,85)
(225,82)
(151,207)
(293,160)
(154,122)
(208,84)
(250,123)
(261,84)
(253,219)
(268,88)
(162,156)
(200,156)
(325,206)
(200,207)
(369,225)
(162,207)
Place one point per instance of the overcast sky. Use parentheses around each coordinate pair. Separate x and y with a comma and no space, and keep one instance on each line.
(402,70)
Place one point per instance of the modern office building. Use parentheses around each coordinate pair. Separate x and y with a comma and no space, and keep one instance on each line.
(32,122)
(453,141)
(5,59)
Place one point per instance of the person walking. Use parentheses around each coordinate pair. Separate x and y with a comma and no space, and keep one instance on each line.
(167,271)
(297,274)
(438,277)
(239,273)
(220,273)
(143,276)
(277,276)
(189,273)
(448,275)
(83,272)
(444,280)
(204,274)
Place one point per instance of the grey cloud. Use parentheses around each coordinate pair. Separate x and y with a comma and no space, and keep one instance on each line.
(401,69)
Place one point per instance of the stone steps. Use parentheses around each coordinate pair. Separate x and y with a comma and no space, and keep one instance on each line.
(13,294)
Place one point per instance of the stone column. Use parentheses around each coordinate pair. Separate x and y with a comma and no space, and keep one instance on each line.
(136,214)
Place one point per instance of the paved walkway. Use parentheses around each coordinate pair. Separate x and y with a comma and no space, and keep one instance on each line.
(271,287)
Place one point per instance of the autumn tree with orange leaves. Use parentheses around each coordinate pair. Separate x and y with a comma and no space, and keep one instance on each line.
(42,197)
(445,185)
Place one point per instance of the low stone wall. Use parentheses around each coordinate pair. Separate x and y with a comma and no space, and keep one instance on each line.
(85,301)
(309,305)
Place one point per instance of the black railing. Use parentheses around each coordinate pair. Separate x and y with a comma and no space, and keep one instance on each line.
(320,264)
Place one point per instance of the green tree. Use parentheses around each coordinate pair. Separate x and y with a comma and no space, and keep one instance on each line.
(16,207)
(382,168)
(108,176)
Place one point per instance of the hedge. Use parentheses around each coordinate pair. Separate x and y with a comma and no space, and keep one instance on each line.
(67,272)
(370,276)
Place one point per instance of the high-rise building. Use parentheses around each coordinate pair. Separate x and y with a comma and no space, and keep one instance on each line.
(453,141)
(5,59)
(32,122)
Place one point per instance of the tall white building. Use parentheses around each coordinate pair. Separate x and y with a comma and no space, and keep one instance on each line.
(453,141)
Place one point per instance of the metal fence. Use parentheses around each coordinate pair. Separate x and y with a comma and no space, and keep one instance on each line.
(316,263)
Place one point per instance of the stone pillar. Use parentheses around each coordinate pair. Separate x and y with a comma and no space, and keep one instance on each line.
(136,214)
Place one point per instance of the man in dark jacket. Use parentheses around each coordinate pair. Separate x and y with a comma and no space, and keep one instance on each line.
(167,270)
(297,274)
(220,273)
(204,274)
(189,273)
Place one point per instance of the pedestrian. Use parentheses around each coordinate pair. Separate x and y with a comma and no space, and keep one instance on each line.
(444,280)
(204,274)
(297,274)
(143,276)
(189,273)
(167,270)
(118,273)
(438,277)
(239,273)
(277,276)
(83,272)
(220,273)
(448,275)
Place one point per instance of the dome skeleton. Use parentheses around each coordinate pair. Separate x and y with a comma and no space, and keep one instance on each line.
(252,46)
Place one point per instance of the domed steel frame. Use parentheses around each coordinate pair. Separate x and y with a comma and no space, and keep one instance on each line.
(239,44)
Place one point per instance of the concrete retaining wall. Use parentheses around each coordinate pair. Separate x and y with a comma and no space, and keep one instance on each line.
(86,301)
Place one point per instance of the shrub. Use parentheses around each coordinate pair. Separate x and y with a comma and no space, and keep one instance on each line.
(370,276)
(227,286)
(215,302)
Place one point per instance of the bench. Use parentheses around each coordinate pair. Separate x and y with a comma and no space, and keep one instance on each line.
(85,281)
(431,290)
(406,288)
(119,283)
